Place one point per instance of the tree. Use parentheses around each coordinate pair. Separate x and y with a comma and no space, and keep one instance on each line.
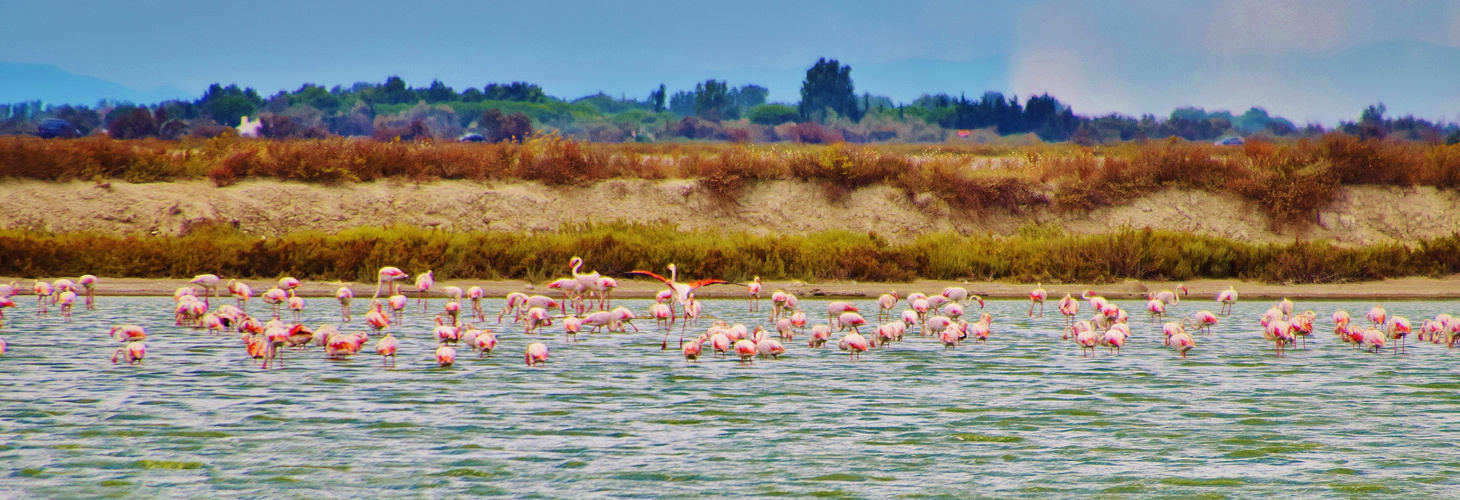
(657,97)
(515,91)
(828,86)
(772,114)
(712,101)
(500,127)
(228,105)
(439,92)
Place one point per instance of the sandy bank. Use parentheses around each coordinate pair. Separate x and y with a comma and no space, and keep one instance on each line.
(1201,290)
(1362,215)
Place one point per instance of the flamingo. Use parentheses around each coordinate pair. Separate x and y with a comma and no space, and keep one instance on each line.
(682,292)
(1286,306)
(753,289)
(949,336)
(1170,297)
(42,291)
(1372,339)
(345,295)
(1037,296)
(241,291)
(424,282)
(854,343)
(1399,328)
(820,334)
(745,348)
(209,282)
(1069,307)
(445,356)
(388,274)
(274,297)
(515,302)
(592,282)
(769,348)
(289,283)
(3,346)
(398,305)
(835,309)
(572,324)
(485,342)
(446,334)
(720,342)
(88,282)
(692,350)
(1087,339)
(296,305)
(1115,339)
(476,294)
(778,303)
(1278,332)
(537,354)
(1204,320)
(7,290)
(537,318)
(1377,315)
(132,353)
(1157,309)
(1227,298)
(573,292)
(386,348)
(376,317)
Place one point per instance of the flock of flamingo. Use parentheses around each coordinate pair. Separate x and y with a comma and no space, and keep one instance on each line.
(585,303)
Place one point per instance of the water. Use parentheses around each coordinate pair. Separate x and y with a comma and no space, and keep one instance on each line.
(1024,416)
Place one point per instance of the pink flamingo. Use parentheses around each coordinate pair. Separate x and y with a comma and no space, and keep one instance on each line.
(537,318)
(778,304)
(8,290)
(769,348)
(424,282)
(605,290)
(572,325)
(1115,338)
(886,303)
(1286,306)
(682,292)
(820,334)
(692,350)
(753,289)
(476,294)
(387,348)
(573,293)
(591,282)
(398,305)
(345,295)
(663,317)
(296,305)
(209,282)
(515,303)
(376,317)
(88,282)
(241,291)
(1087,339)
(1372,339)
(1377,315)
(388,274)
(42,291)
(1156,308)
(1227,298)
(132,353)
(720,342)
(485,342)
(1204,320)
(66,299)
(1399,328)
(949,336)
(745,348)
(3,346)
(854,344)
(1037,296)
(1279,333)
(445,356)
(537,354)
(289,283)
(275,297)
(1069,307)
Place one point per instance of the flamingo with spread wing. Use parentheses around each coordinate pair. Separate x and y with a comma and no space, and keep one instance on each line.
(681,291)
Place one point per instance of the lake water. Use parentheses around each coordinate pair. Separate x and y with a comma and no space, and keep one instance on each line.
(1023,416)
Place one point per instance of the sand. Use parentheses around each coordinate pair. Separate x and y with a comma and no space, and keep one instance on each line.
(1361,215)
(1201,290)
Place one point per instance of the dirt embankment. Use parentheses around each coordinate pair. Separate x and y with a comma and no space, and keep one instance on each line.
(1362,215)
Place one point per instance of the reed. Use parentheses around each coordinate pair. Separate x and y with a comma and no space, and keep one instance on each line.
(1035,254)
(1289,181)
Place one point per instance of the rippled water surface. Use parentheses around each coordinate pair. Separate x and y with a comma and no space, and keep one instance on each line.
(613,415)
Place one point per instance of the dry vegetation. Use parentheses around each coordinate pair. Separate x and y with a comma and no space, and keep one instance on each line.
(1037,253)
(1289,181)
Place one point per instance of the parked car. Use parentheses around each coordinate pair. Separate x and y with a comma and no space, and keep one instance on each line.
(1229,141)
(473,138)
(50,128)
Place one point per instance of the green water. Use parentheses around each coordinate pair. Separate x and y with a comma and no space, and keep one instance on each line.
(613,415)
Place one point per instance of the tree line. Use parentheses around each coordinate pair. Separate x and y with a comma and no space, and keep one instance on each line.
(829,110)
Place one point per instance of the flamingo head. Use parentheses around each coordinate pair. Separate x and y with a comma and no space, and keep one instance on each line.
(575,263)
(1183,289)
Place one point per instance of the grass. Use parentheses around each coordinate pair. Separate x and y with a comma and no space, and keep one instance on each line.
(1289,181)
(1035,254)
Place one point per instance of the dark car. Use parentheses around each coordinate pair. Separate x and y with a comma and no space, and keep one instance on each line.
(50,128)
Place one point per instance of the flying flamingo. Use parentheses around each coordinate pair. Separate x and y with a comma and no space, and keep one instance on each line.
(424,282)
(388,274)
(88,282)
(345,295)
(537,354)
(682,292)
(1037,296)
(754,289)
(1228,298)
(386,348)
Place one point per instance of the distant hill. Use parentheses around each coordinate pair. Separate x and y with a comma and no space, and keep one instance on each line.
(52,85)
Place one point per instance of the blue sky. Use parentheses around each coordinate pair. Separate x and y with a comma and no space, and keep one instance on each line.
(1309,60)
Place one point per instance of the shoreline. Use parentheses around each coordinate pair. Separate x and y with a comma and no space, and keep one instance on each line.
(1413,288)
